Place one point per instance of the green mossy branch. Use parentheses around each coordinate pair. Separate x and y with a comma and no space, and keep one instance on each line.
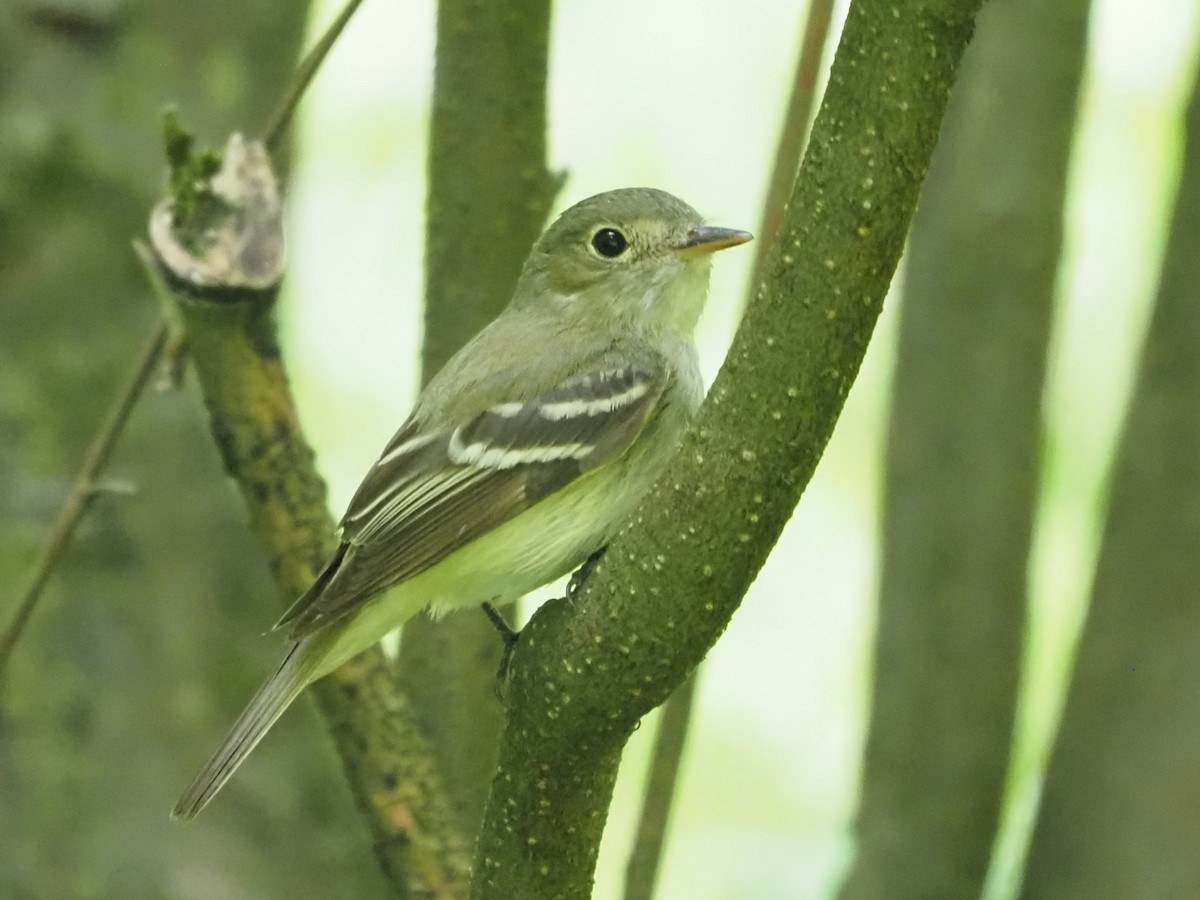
(585,671)
(189,180)
(254,425)
(233,343)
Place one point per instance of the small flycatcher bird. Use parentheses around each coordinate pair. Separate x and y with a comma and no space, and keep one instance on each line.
(524,455)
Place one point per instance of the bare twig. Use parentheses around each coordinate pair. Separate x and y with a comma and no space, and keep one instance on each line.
(305,72)
(102,445)
(641,873)
(814,35)
(85,489)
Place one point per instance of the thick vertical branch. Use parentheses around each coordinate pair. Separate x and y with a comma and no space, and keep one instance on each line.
(489,194)
(585,672)
(1121,807)
(963,462)
(489,189)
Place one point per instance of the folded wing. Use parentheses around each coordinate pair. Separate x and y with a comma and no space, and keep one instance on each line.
(433,492)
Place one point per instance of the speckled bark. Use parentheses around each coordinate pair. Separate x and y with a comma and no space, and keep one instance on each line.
(585,672)
(254,423)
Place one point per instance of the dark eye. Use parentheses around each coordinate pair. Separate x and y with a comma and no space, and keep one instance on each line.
(609,242)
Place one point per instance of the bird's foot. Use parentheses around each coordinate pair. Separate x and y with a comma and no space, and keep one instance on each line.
(581,574)
(509,636)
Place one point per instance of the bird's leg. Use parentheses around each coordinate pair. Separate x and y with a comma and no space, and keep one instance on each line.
(581,574)
(509,636)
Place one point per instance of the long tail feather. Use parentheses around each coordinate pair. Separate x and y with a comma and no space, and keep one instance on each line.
(260,714)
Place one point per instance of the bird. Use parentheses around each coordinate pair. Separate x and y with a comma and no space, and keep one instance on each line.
(523,455)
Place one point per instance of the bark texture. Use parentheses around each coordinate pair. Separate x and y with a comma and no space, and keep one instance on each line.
(585,672)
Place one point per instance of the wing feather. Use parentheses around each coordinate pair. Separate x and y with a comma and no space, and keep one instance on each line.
(432,492)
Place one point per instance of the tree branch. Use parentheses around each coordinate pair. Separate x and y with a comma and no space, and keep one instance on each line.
(489,195)
(963,461)
(253,421)
(641,872)
(228,318)
(390,768)
(1121,805)
(100,450)
(585,672)
(82,494)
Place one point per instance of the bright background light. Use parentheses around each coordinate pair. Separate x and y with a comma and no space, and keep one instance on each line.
(687,96)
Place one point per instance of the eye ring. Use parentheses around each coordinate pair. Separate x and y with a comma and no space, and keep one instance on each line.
(609,243)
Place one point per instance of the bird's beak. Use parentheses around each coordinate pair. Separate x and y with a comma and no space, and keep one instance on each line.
(705,239)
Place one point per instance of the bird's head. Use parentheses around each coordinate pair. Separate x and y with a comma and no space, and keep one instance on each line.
(635,255)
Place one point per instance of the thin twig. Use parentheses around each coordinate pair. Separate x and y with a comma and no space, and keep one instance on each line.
(641,873)
(86,484)
(278,123)
(813,37)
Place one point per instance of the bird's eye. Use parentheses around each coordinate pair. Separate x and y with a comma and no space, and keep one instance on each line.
(609,242)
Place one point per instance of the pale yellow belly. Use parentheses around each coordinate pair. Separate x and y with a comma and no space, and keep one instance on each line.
(545,542)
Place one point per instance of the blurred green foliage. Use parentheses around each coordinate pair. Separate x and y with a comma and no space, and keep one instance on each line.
(150,633)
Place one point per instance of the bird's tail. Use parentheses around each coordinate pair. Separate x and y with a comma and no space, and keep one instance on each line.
(296,671)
